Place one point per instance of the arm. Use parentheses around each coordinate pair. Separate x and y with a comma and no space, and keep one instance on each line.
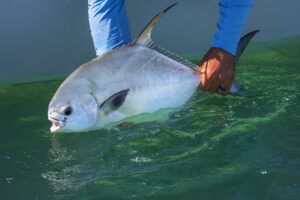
(218,66)
(109,24)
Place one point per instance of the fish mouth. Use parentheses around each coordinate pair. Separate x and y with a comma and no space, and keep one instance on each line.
(57,125)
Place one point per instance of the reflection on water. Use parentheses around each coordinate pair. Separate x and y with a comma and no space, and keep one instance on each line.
(64,178)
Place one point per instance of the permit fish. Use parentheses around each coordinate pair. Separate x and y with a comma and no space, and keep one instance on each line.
(137,78)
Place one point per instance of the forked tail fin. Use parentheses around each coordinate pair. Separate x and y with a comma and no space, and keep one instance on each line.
(236,88)
(243,44)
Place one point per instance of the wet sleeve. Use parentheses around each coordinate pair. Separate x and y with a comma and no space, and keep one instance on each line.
(233,16)
(109,24)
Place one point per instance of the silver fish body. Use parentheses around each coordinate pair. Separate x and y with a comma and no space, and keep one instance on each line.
(154,81)
(138,78)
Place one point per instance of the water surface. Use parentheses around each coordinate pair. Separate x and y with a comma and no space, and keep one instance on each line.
(213,148)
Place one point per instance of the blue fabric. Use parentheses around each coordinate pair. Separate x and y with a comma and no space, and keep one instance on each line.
(233,16)
(109,24)
(221,88)
(110,27)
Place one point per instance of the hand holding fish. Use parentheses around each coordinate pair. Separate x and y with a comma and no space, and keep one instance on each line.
(217,69)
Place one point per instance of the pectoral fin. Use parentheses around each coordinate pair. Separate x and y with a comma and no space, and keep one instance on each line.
(114,102)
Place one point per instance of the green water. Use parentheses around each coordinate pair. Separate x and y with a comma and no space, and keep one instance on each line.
(213,148)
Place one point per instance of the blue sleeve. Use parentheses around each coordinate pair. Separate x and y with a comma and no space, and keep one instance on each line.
(109,24)
(233,16)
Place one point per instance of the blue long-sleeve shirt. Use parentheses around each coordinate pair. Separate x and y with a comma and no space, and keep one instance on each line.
(233,17)
(110,26)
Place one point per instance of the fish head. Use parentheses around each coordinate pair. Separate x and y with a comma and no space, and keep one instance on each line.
(72,112)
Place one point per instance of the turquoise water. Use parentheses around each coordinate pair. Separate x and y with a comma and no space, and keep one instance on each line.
(213,148)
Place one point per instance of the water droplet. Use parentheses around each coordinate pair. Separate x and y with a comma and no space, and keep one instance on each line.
(9,180)
(263,172)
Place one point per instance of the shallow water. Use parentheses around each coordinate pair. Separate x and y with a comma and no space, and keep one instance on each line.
(213,148)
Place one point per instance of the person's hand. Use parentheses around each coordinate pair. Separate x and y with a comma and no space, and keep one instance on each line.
(217,69)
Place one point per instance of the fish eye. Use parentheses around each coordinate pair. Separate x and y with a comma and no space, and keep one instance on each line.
(68,110)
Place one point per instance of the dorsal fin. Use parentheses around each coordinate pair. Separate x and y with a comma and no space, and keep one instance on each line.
(171,55)
(144,39)
(145,36)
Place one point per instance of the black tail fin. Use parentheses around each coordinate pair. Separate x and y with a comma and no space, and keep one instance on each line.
(236,88)
(243,44)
